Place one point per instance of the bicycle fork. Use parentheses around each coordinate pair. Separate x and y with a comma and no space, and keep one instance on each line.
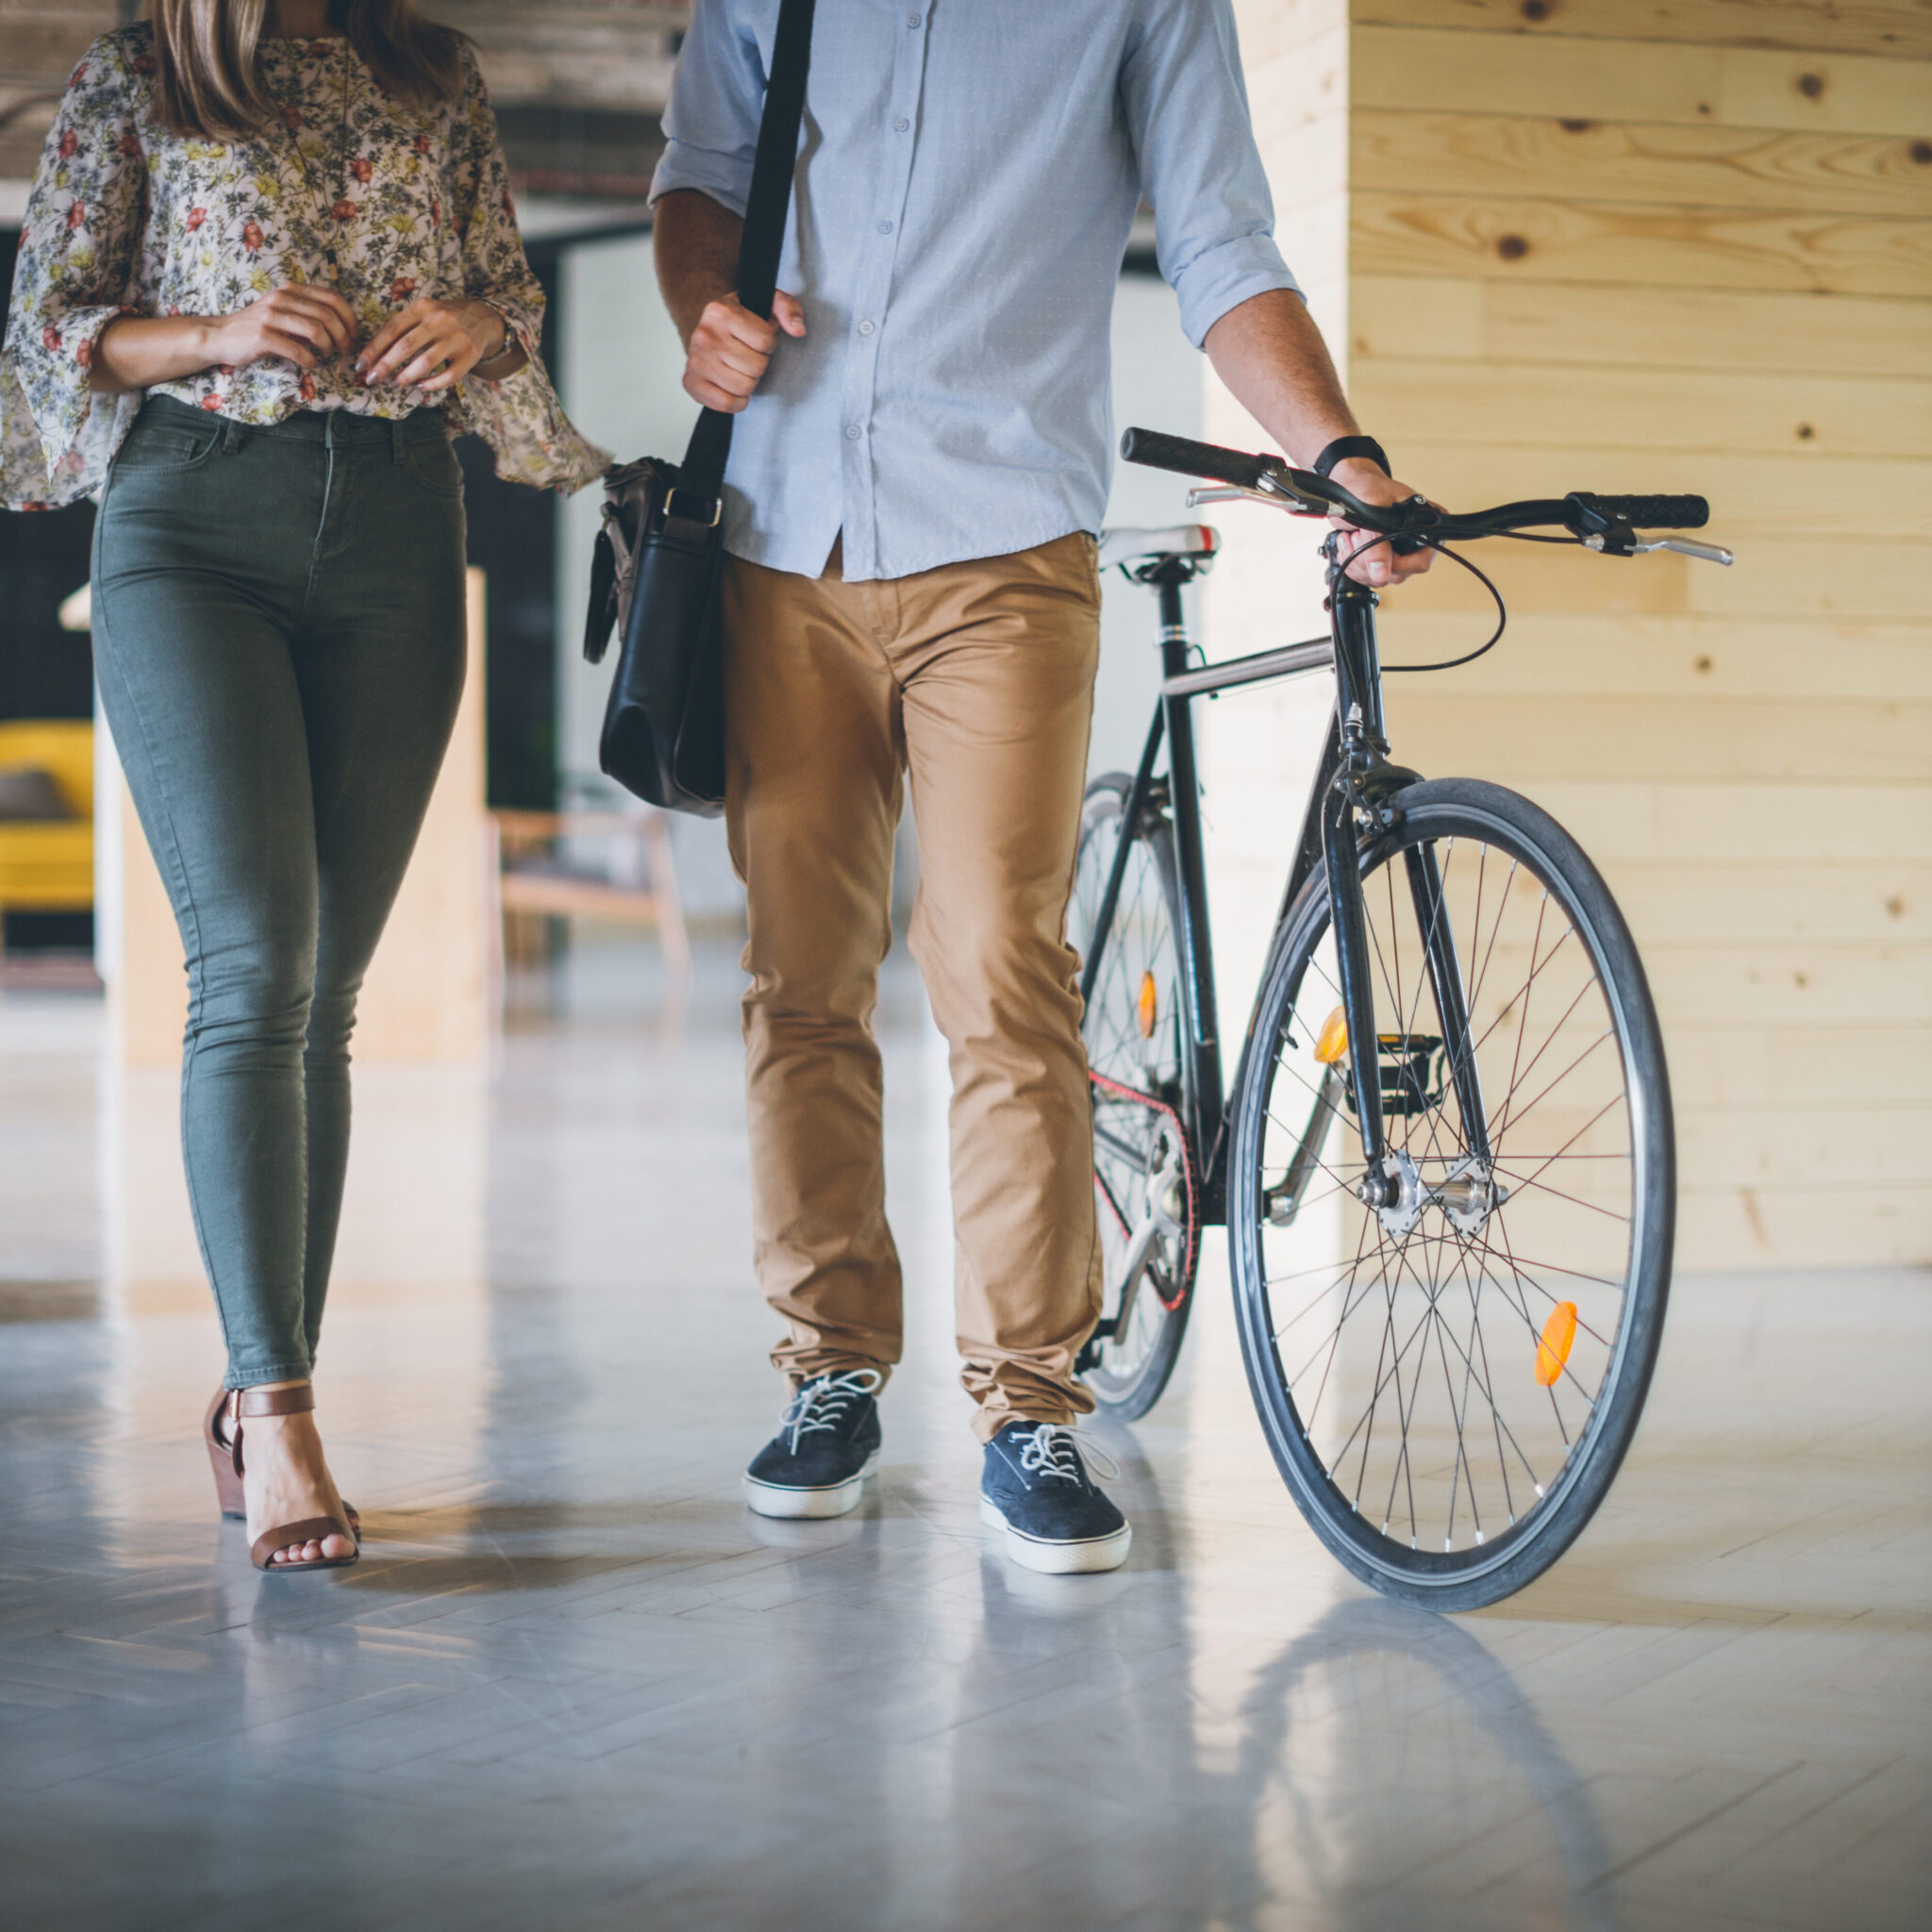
(1367,782)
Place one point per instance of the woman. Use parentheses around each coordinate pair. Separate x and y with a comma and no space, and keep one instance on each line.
(269,268)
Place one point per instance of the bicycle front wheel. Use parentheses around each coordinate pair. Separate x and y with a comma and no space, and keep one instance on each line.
(1449,1389)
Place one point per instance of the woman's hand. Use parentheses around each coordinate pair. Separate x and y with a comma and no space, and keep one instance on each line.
(432,345)
(302,324)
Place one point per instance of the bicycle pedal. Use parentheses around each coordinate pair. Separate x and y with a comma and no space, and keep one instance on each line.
(1089,1356)
(1413,1067)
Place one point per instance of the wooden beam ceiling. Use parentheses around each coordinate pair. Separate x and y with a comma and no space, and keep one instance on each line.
(579,83)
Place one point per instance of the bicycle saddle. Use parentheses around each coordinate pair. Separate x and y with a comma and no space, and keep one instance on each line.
(1123,547)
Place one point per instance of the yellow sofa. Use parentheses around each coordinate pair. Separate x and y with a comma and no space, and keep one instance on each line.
(48,865)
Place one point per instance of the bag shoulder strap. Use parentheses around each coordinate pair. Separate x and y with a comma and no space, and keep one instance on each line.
(702,473)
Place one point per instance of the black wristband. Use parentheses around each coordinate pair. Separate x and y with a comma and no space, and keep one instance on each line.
(1346,446)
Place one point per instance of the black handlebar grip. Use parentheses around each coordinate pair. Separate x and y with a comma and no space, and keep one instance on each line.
(1657,512)
(1158,451)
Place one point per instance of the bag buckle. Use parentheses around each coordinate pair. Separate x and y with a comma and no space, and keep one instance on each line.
(695,514)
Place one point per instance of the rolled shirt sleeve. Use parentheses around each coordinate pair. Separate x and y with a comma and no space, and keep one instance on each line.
(77,263)
(711,125)
(1187,112)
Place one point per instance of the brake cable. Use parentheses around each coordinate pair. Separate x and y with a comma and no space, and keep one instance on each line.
(1455,557)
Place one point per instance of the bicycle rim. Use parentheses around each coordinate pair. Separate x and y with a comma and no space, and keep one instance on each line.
(1451,1389)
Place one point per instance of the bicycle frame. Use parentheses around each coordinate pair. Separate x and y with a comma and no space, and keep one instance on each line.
(1353,779)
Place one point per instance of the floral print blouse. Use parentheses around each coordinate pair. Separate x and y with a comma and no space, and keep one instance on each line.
(128,218)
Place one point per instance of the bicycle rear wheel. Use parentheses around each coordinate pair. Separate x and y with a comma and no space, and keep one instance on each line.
(1449,1392)
(1140,1065)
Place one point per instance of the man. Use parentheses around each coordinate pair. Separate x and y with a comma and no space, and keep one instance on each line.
(912,594)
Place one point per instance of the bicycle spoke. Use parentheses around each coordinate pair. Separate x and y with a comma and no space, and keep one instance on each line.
(1509,1115)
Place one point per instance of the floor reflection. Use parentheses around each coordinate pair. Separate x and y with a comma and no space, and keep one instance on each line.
(575,1684)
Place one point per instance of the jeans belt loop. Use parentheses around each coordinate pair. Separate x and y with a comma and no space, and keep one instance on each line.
(398,441)
(233,435)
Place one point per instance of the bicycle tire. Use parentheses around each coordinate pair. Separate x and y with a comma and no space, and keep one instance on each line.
(1487,1567)
(1129,1390)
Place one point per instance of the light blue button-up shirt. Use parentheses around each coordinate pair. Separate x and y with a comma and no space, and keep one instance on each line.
(969,175)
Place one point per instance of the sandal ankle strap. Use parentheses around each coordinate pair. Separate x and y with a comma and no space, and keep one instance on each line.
(247,1402)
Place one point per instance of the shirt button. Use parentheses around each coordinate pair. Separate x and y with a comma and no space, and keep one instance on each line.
(912,20)
(851,432)
(885,227)
(865,328)
(901,125)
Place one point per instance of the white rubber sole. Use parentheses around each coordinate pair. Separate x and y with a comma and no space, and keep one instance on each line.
(835,1499)
(1060,1558)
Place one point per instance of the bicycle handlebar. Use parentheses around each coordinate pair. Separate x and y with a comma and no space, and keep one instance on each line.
(1579,512)
(1654,513)
(1158,451)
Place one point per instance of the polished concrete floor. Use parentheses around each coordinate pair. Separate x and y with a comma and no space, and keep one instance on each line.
(574,1684)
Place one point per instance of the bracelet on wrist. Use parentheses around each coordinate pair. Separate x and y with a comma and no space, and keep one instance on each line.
(1345,446)
(507,340)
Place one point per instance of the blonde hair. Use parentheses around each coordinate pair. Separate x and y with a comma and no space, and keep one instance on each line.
(209,81)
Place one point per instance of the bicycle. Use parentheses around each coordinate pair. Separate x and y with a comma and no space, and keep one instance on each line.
(1453,1049)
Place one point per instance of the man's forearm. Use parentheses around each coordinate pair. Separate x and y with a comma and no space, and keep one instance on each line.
(1269,354)
(695,242)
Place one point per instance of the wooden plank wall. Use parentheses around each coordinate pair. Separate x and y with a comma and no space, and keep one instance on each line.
(1259,748)
(1687,245)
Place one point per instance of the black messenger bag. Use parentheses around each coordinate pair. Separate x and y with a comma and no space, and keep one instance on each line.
(660,552)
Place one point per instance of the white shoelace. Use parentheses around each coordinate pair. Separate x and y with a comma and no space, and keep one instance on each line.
(1052,1451)
(822,1403)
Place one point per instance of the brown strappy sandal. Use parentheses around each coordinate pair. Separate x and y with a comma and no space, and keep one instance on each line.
(226,1457)
(238,1404)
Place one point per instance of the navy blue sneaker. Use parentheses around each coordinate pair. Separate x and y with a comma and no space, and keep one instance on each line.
(1037,1489)
(817,1463)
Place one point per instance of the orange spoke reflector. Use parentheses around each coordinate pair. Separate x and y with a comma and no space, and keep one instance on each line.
(1147,1007)
(1553,1347)
(1334,1041)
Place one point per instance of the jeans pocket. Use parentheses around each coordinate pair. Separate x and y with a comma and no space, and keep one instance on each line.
(164,447)
(434,465)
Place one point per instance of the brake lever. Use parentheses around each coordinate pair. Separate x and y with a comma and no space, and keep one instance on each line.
(1226,492)
(1295,491)
(1684,546)
(1239,492)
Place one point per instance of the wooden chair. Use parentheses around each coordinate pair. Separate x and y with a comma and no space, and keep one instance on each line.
(533,879)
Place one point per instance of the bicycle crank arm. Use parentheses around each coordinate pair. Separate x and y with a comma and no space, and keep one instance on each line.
(1283,1201)
(1154,1224)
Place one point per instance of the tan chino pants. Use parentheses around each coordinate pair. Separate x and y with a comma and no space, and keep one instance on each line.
(975,682)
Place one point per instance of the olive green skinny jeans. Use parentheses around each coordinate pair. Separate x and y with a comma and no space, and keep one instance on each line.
(279,639)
